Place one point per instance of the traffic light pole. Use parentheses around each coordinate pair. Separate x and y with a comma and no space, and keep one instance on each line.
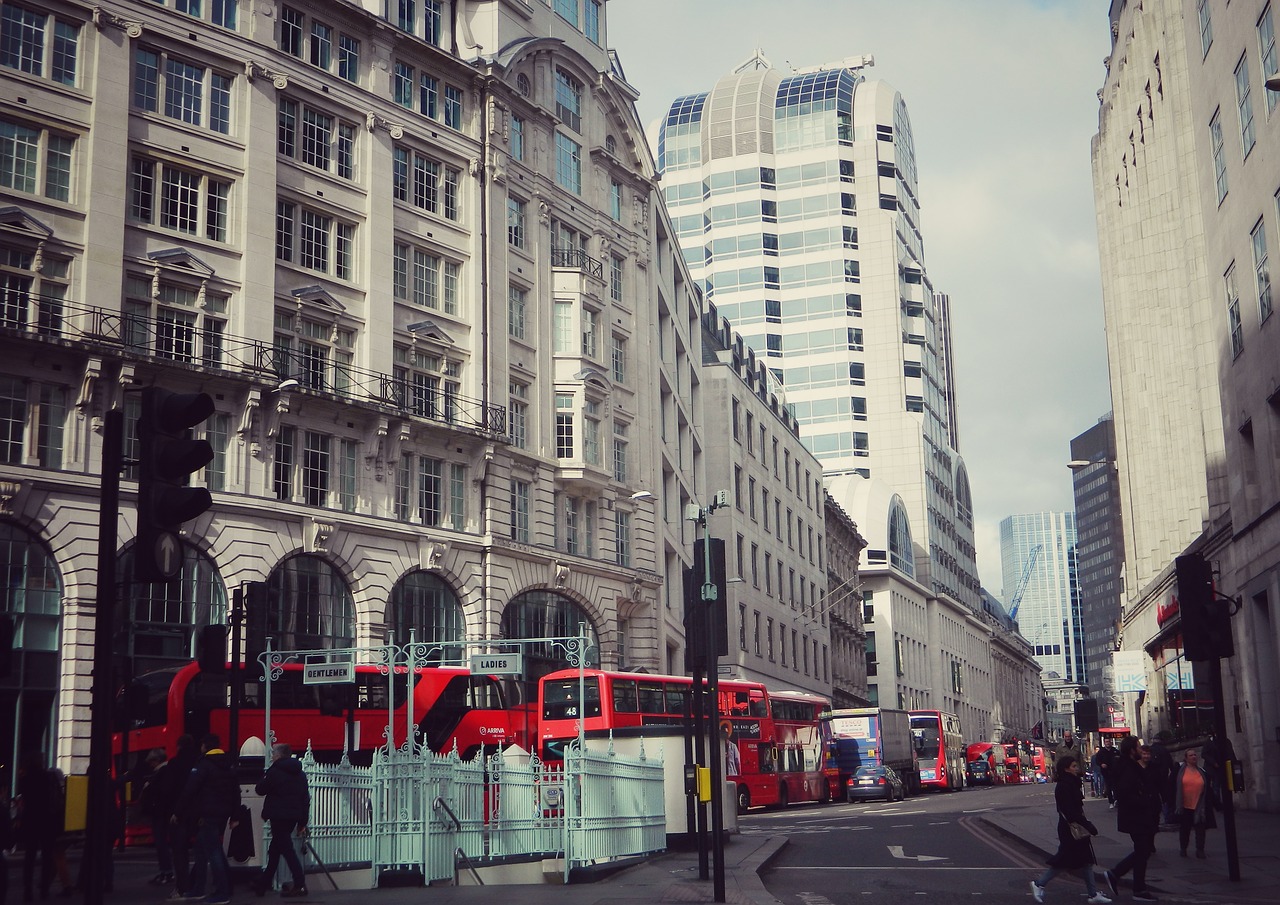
(96,871)
(1226,763)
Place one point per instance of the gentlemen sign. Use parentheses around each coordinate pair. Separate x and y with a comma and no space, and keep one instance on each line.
(328,673)
(498,664)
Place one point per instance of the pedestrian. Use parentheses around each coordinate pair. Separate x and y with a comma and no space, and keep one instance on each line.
(1193,803)
(1069,747)
(180,826)
(36,826)
(1163,768)
(1106,761)
(150,808)
(1095,773)
(1137,813)
(211,795)
(1073,854)
(287,806)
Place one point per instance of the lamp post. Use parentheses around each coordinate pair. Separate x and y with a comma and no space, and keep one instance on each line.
(709,596)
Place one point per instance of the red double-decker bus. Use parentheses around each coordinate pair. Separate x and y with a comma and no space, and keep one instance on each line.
(939,744)
(778,751)
(450,707)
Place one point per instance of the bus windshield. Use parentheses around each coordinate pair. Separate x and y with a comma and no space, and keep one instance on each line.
(560,698)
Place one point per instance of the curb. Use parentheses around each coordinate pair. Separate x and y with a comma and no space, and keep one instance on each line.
(1023,841)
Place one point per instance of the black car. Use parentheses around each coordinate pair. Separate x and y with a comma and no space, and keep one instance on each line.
(875,781)
(979,773)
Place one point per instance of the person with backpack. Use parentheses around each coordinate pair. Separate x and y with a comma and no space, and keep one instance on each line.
(210,797)
(287,805)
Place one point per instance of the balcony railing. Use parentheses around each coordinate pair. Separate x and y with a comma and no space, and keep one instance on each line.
(183,343)
(577,259)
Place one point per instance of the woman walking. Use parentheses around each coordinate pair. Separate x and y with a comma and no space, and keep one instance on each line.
(1138,814)
(1192,803)
(1073,854)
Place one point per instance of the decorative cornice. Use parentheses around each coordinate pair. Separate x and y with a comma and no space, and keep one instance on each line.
(374,120)
(102,18)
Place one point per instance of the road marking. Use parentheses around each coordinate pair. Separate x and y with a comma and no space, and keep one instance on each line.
(896,851)
(894,867)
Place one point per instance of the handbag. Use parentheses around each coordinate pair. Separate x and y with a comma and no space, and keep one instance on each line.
(1078,830)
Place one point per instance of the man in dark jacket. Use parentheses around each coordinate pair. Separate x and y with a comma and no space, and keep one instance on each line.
(1137,813)
(210,796)
(287,805)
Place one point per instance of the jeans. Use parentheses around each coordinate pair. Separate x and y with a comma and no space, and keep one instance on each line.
(282,847)
(1085,873)
(1186,823)
(210,854)
(1143,845)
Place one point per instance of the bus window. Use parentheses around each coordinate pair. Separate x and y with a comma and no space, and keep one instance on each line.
(677,699)
(624,696)
(486,694)
(758,706)
(560,699)
(652,698)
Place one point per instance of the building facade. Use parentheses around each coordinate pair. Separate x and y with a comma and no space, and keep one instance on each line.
(844,608)
(417,262)
(1038,558)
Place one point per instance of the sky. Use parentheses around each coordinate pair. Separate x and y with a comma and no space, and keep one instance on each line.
(1002,96)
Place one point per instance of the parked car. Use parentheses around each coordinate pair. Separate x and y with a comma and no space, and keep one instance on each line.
(979,773)
(876,781)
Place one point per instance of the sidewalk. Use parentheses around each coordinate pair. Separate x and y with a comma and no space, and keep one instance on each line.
(1033,826)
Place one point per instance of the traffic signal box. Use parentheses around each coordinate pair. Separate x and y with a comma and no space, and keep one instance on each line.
(701,617)
(168,456)
(1206,621)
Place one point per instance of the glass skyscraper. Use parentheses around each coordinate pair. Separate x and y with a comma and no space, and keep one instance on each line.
(1038,559)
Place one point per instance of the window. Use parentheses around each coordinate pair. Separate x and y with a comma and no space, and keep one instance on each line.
(618,358)
(429,96)
(517,137)
(622,537)
(568,163)
(29,298)
(615,200)
(562,327)
(1267,57)
(348,58)
(38,43)
(1219,154)
(176,324)
(402,85)
(35,160)
(33,418)
(590,333)
(516,217)
(591,433)
(426,183)
(182,200)
(518,414)
(425,384)
(424,278)
(453,106)
(163,83)
(292,23)
(1263,273)
(315,353)
(1233,311)
(1244,104)
(569,100)
(615,278)
(567,10)
(591,23)
(620,430)
(1206,28)
(218,433)
(520,511)
(314,240)
(564,426)
(517,309)
(315,138)
(405,14)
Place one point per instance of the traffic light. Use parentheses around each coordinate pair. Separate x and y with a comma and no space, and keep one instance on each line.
(1205,619)
(168,457)
(700,616)
(256,613)
(211,648)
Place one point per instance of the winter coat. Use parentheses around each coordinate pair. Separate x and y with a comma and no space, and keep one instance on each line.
(1204,807)
(211,790)
(1072,853)
(285,792)
(170,780)
(1137,798)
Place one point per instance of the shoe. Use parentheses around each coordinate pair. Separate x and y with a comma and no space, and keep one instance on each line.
(159,879)
(1098,899)
(293,892)
(1113,805)
(1144,896)
(1037,891)
(1110,877)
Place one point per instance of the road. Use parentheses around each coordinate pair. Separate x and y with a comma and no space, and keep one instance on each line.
(931,849)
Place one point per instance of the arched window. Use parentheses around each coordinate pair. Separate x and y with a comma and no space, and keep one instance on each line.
(901,551)
(423,604)
(32,607)
(546,614)
(314,608)
(161,620)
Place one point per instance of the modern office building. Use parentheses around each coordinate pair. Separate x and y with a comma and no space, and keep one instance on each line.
(1185,164)
(1038,561)
(796,200)
(1099,552)
(414,257)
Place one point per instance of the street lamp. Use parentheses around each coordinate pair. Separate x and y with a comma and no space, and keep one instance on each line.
(709,596)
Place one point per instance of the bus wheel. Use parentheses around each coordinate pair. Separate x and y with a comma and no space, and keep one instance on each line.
(744,799)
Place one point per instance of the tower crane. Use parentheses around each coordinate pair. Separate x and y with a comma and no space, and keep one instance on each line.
(1016,600)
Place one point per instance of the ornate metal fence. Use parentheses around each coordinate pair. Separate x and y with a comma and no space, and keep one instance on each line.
(341,818)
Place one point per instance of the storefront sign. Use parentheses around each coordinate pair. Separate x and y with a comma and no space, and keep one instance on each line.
(1130,670)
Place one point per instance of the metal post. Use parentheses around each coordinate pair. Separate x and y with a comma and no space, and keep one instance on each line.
(715,749)
(96,875)
(1226,759)
(236,618)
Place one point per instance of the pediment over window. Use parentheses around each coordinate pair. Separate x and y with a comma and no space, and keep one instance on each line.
(18,220)
(594,377)
(318,295)
(430,330)
(181,259)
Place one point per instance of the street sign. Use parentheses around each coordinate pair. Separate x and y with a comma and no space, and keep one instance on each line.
(328,673)
(167,554)
(498,664)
